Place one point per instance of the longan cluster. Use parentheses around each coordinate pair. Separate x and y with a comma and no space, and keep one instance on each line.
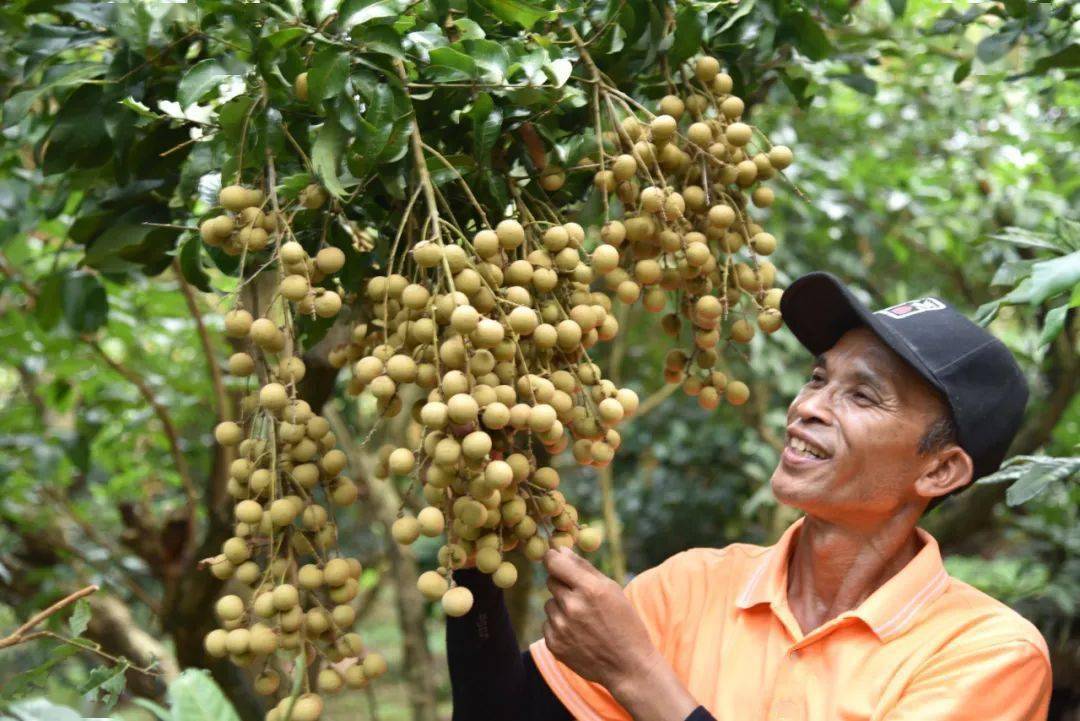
(287,475)
(685,179)
(495,333)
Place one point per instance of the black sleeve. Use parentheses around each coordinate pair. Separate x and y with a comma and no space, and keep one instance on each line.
(490,678)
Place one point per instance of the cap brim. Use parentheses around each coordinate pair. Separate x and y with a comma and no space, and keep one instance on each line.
(818,309)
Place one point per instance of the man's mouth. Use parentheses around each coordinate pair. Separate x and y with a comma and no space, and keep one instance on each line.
(803,449)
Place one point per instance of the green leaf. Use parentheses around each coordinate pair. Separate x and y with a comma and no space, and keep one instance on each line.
(487,126)
(84,302)
(328,74)
(687,40)
(326,152)
(200,78)
(517,12)
(1053,325)
(358,12)
(490,57)
(994,47)
(741,10)
(452,64)
(460,165)
(283,38)
(109,680)
(380,39)
(1047,279)
(859,82)
(898,7)
(1068,231)
(19,104)
(801,30)
(41,709)
(80,618)
(191,266)
(961,72)
(1038,477)
(195,697)
(157,709)
(1067,57)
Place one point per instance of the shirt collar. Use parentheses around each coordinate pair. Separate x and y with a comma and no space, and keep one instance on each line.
(889,611)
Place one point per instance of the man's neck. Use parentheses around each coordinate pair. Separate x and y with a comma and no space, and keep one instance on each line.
(834,568)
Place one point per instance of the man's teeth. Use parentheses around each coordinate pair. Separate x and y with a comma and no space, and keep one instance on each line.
(805,448)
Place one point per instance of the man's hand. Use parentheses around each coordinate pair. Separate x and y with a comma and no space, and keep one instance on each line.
(591,626)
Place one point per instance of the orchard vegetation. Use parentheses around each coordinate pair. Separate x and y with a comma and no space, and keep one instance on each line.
(304,303)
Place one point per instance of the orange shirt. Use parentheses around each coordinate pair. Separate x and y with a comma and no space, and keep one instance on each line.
(923,647)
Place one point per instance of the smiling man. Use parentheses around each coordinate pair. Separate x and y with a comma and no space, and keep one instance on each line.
(851,615)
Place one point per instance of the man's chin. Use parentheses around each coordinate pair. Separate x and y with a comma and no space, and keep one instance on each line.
(798,492)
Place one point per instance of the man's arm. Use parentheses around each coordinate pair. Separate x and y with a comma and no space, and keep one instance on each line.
(594,630)
(490,678)
(1007,681)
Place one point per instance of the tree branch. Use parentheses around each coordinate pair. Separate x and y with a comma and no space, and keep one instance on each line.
(224,411)
(20,635)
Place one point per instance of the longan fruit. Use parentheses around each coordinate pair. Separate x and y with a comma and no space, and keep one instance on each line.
(431,521)
(737,393)
(405,530)
(214,643)
(238,323)
(330,260)
(313,197)
(228,433)
(249,511)
(706,69)
(510,233)
(432,585)
(300,87)
(401,462)
(780,156)
(229,608)
(589,539)
(273,397)
(374,665)
(308,707)
(505,575)
(456,602)
(241,364)
(235,197)
(769,320)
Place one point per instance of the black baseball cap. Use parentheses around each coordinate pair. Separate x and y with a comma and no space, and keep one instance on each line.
(974,371)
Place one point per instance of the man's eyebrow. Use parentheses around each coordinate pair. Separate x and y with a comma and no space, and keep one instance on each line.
(819,361)
(871,378)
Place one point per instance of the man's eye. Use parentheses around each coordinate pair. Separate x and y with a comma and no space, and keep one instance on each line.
(817,378)
(862,397)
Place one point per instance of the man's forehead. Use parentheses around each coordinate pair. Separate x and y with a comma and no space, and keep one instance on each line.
(862,346)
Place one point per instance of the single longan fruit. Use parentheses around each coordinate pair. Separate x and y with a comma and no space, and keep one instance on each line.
(431,521)
(238,323)
(241,364)
(510,233)
(308,707)
(432,585)
(457,601)
(228,433)
(313,197)
(732,107)
(336,572)
(738,134)
(663,127)
(401,462)
(706,69)
(405,530)
(374,665)
(214,643)
(780,156)
(249,511)
(589,539)
(330,260)
(552,179)
(234,197)
(769,320)
(273,397)
(672,105)
(505,575)
(295,287)
(286,597)
(229,608)
(737,393)
(300,87)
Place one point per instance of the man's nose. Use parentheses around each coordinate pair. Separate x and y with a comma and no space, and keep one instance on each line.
(813,405)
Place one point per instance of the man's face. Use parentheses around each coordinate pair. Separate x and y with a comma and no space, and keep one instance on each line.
(862,412)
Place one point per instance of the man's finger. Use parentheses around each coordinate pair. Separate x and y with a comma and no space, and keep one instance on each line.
(563,566)
(557,587)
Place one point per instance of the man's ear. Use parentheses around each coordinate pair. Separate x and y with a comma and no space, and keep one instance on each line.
(949,469)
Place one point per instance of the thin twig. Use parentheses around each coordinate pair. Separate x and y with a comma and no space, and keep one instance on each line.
(20,635)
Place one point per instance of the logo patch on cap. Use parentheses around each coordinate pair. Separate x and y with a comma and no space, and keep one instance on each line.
(912,307)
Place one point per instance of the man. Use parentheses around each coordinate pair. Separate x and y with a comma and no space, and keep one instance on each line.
(851,614)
